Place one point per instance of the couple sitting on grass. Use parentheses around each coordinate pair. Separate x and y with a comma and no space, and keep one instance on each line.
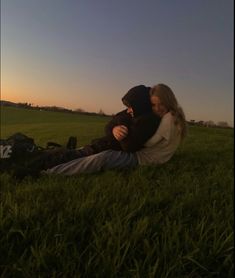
(147,132)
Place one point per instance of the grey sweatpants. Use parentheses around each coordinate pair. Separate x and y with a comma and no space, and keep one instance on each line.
(105,160)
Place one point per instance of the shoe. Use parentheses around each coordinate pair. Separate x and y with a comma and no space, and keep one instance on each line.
(72,143)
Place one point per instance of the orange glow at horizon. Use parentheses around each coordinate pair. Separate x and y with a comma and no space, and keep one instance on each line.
(14,95)
(49,99)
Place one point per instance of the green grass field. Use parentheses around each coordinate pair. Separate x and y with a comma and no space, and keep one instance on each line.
(174,220)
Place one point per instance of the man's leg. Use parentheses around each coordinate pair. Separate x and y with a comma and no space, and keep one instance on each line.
(102,161)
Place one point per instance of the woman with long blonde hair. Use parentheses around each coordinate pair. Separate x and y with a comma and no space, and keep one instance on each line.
(168,100)
(172,130)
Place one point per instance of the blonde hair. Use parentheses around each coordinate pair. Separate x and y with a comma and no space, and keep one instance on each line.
(169,100)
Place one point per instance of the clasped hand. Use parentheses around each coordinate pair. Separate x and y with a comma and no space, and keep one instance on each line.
(120,132)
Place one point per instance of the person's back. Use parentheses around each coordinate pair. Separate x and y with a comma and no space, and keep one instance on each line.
(162,145)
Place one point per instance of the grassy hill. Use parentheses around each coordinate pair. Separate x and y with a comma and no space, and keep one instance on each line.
(46,126)
(174,220)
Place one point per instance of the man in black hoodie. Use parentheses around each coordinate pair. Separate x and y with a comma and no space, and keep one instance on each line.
(138,118)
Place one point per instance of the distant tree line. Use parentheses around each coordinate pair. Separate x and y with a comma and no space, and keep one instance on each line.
(221,124)
(27,105)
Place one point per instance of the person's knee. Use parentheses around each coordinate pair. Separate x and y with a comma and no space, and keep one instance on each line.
(105,158)
(99,159)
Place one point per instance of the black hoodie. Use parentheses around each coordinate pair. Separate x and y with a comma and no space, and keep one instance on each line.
(141,127)
(139,100)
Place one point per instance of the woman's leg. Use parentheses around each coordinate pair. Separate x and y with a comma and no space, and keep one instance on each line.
(102,161)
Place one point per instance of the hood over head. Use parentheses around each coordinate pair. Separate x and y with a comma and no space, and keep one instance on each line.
(138,99)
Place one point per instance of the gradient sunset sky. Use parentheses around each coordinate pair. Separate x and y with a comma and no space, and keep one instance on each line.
(88,53)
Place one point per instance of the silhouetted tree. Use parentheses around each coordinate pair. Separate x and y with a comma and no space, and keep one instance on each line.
(101,112)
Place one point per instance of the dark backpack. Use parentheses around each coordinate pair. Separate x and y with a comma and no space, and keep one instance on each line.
(20,156)
(16,149)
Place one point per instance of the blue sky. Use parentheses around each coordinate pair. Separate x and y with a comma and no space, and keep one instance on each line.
(87,54)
